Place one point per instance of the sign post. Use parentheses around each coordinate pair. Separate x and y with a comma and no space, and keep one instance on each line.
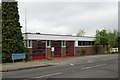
(52,49)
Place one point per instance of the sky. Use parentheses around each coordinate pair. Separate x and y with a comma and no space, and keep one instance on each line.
(68,17)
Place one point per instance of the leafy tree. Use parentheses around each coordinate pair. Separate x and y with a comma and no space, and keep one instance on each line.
(118,41)
(112,38)
(80,33)
(105,38)
(101,37)
(12,40)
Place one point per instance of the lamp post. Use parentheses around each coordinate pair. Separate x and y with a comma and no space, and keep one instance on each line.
(26,35)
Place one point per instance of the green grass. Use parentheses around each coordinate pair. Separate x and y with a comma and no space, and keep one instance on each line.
(49,59)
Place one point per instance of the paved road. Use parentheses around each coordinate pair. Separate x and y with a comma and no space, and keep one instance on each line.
(104,68)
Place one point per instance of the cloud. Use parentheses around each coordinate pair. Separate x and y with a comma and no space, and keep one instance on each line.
(68,18)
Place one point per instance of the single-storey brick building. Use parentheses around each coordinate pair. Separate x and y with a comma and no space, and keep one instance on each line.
(54,46)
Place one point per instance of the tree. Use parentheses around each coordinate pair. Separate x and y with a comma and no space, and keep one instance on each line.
(118,41)
(105,38)
(80,33)
(101,37)
(112,38)
(12,40)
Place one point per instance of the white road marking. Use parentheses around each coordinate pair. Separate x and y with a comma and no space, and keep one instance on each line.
(108,58)
(91,61)
(48,75)
(72,64)
(93,66)
(99,60)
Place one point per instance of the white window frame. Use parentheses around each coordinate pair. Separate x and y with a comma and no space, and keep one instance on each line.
(28,43)
(76,43)
(48,46)
(63,43)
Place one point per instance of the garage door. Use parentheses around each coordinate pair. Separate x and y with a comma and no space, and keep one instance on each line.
(57,48)
(69,48)
(38,50)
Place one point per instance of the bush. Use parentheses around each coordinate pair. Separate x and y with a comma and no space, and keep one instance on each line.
(96,49)
(83,51)
(6,59)
(49,58)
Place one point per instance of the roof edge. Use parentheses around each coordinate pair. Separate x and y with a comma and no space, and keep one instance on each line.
(58,35)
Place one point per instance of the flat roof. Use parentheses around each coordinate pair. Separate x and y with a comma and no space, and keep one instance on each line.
(38,36)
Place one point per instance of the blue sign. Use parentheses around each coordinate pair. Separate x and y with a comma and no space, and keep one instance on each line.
(18,56)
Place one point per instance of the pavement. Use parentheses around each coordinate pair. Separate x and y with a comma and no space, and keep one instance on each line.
(59,62)
(98,66)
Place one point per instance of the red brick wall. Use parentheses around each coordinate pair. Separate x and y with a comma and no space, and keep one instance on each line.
(101,50)
(30,53)
(88,50)
(63,51)
(48,53)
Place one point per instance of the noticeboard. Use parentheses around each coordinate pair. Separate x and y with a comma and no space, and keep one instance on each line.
(18,56)
(52,49)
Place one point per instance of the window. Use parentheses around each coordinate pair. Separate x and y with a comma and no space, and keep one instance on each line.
(90,43)
(29,43)
(63,43)
(93,42)
(48,43)
(79,43)
(85,43)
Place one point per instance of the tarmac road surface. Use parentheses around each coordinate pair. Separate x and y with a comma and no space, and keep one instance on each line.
(92,68)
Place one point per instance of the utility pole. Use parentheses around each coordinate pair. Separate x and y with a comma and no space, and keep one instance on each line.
(26,35)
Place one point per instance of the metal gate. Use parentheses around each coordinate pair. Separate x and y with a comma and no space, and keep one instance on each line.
(69,48)
(57,49)
(38,50)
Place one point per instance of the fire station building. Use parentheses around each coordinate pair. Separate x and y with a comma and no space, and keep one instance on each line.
(54,46)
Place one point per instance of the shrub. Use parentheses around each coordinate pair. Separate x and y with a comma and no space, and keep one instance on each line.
(83,51)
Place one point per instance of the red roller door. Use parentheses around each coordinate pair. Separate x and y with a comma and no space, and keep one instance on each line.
(69,48)
(38,50)
(57,48)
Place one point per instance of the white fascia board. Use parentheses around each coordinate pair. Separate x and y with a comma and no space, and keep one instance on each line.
(86,39)
(52,37)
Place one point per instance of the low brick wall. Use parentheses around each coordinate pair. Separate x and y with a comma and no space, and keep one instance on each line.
(88,50)
(81,50)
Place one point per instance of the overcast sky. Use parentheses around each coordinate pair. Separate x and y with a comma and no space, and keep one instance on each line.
(68,17)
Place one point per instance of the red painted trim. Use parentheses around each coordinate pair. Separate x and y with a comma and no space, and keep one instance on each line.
(57,56)
(69,54)
(38,57)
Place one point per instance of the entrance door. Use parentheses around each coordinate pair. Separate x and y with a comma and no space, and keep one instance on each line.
(69,48)
(57,48)
(38,50)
